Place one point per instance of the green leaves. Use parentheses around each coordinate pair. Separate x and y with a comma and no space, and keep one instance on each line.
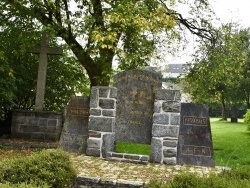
(219,69)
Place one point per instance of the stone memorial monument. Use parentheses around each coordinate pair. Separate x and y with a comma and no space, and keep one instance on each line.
(44,51)
(38,124)
(75,129)
(135,104)
(195,139)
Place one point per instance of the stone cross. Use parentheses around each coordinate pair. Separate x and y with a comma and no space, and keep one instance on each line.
(44,51)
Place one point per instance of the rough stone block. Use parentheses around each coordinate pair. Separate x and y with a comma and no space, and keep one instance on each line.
(104,124)
(144,157)
(108,144)
(94,142)
(22,135)
(169,160)
(38,136)
(113,92)
(28,129)
(94,97)
(171,106)
(48,129)
(117,155)
(161,119)
(131,156)
(157,106)
(156,154)
(42,122)
(52,136)
(103,92)
(16,120)
(165,94)
(175,119)
(52,123)
(165,131)
(110,113)
(169,152)
(33,121)
(170,143)
(95,112)
(95,134)
(107,103)
(93,152)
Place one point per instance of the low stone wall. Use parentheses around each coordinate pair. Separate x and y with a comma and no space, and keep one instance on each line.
(93,182)
(36,125)
(126,157)
(165,129)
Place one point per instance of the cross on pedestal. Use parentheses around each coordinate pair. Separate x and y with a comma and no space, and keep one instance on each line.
(44,51)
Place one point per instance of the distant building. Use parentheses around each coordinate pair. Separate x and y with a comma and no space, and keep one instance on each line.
(174,70)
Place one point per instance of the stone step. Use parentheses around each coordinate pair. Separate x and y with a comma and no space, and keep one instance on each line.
(127,157)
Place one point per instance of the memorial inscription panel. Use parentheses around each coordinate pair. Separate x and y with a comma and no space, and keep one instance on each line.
(135,103)
(195,139)
(75,129)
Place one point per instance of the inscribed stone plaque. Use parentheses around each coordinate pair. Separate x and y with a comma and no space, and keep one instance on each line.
(195,140)
(135,103)
(75,129)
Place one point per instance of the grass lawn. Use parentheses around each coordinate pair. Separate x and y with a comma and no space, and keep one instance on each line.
(231,142)
(126,147)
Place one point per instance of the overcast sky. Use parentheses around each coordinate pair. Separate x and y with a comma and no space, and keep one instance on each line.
(232,10)
(228,11)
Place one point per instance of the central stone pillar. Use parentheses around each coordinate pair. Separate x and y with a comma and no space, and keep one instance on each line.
(101,121)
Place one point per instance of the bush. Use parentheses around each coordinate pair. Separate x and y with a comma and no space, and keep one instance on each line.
(247,119)
(46,167)
(228,179)
(22,185)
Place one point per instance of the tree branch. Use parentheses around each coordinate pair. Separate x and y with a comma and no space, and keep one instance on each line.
(194,29)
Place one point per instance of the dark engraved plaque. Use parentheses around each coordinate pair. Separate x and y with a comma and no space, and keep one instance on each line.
(135,103)
(195,140)
(75,129)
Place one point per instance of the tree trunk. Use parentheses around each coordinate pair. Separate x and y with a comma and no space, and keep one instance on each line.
(248,100)
(223,108)
(98,70)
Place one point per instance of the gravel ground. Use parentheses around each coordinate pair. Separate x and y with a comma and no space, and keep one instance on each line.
(88,166)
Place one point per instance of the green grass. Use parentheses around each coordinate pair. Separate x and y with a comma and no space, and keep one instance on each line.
(133,148)
(231,143)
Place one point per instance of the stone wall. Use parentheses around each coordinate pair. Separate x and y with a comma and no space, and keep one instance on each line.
(165,129)
(36,125)
(101,121)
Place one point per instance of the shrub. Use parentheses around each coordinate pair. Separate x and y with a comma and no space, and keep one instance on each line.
(247,119)
(51,167)
(229,179)
(23,185)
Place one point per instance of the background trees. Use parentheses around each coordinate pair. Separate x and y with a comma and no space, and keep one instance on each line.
(18,71)
(220,71)
(99,31)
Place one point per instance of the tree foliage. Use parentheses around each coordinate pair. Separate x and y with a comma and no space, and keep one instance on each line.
(101,31)
(220,70)
(18,71)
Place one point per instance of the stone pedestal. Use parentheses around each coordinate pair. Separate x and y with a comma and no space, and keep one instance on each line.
(36,125)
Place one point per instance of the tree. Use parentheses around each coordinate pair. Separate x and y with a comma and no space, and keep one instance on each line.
(245,71)
(216,74)
(18,72)
(99,31)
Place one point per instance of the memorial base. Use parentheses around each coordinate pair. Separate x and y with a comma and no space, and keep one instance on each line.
(36,125)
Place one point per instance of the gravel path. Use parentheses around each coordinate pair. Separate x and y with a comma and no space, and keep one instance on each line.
(88,166)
